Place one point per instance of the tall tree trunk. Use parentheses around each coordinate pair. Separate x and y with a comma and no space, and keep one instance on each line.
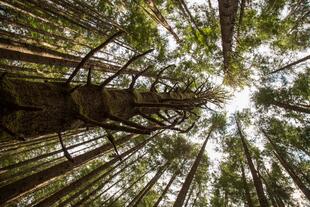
(97,180)
(189,178)
(125,191)
(173,177)
(137,199)
(76,184)
(228,11)
(291,64)
(34,108)
(19,187)
(257,181)
(291,107)
(246,187)
(288,168)
(189,195)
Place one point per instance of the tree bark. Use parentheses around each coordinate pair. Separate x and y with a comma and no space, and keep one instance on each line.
(100,186)
(173,177)
(257,181)
(19,187)
(137,199)
(71,187)
(291,64)
(54,107)
(246,187)
(288,168)
(291,107)
(189,178)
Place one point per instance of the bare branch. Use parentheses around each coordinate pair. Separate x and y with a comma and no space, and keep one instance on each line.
(152,119)
(112,126)
(134,78)
(111,139)
(109,79)
(153,86)
(64,149)
(90,54)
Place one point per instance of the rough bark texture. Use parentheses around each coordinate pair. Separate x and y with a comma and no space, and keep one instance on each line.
(33,108)
(228,11)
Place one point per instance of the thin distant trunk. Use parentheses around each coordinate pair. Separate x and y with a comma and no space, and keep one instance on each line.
(76,184)
(125,191)
(147,188)
(159,18)
(19,187)
(246,187)
(291,107)
(189,195)
(291,64)
(257,181)
(189,178)
(40,157)
(173,177)
(288,168)
(97,180)
(269,190)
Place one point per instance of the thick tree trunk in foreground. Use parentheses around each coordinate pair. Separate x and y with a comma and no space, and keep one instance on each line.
(13,190)
(173,177)
(189,178)
(257,181)
(34,108)
(289,169)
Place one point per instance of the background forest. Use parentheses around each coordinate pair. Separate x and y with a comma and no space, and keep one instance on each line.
(154,103)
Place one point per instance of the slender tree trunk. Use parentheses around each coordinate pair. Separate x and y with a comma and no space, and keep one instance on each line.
(97,180)
(246,187)
(40,157)
(76,184)
(288,168)
(173,177)
(19,187)
(257,182)
(291,107)
(125,191)
(189,195)
(291,64)
(189,178)
(147,188)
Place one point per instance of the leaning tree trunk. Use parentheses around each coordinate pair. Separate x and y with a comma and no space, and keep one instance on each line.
(76,184)
(189,178)
(147,188)
(290,107)
(257,181)
(13,190)
(246,187)
(173,177)
(288,168)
